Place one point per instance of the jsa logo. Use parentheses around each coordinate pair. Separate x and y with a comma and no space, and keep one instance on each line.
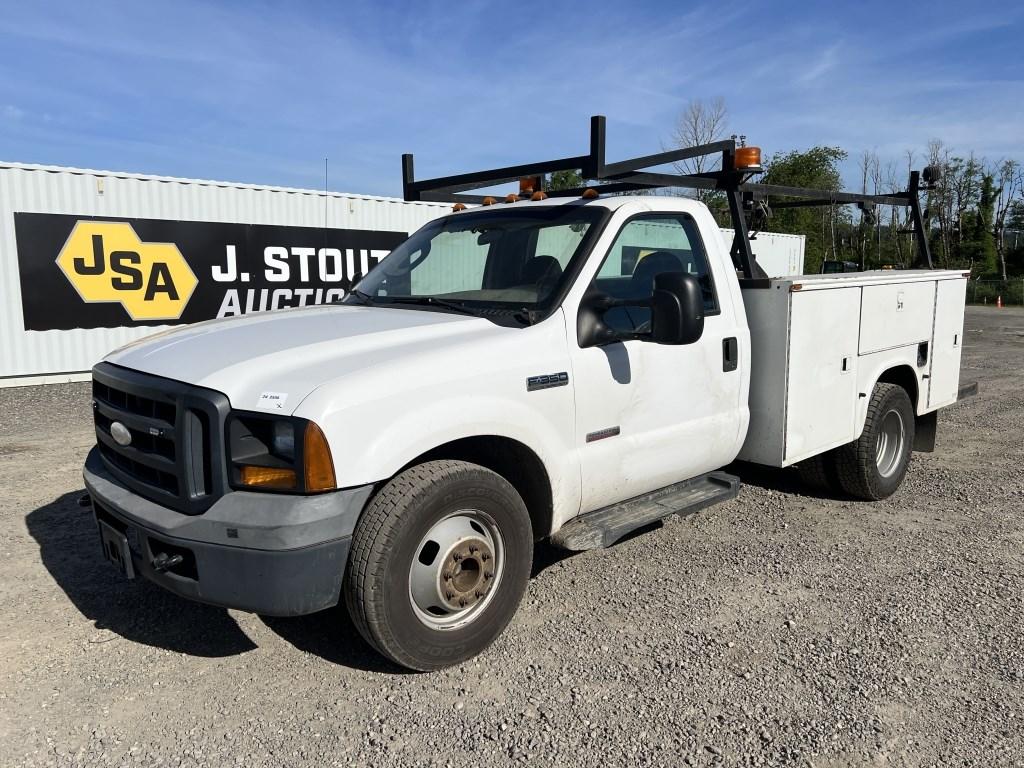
(106,261)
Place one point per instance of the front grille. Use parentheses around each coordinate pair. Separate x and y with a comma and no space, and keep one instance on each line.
(175,452)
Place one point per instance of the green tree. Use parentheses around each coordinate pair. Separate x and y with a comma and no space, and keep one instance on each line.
(1014,239)
(825,227)
(565,180)
(978,245)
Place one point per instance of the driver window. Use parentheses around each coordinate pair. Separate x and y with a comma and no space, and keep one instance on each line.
(649,246)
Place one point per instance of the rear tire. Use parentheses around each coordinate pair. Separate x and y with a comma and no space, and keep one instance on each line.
(439,562)
(873,466)
(819,472)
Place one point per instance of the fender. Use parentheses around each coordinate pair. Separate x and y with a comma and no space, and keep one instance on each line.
(367,449)
(871,368)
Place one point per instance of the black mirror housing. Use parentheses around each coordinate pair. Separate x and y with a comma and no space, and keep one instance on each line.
(677,309)
(677,313)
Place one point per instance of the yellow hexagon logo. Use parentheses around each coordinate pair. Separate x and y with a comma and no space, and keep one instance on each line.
(106,261)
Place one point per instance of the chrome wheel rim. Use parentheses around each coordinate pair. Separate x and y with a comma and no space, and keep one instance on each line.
(456,569)
(889,445)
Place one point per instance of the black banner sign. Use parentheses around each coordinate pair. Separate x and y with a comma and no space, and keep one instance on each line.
(89,272)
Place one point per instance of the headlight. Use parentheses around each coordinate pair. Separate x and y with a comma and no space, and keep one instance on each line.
(278,454)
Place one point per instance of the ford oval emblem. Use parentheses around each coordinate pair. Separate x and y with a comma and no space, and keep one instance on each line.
(120,433)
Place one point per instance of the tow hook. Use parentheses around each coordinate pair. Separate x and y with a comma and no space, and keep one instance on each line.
(164,562)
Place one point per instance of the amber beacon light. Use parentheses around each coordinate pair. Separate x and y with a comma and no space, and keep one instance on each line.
(748,159)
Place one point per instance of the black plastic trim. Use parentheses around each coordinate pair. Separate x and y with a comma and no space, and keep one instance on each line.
(292,582)
(196,490)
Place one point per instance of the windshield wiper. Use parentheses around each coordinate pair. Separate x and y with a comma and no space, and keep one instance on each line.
(525,315)
(431,301)
(363,297)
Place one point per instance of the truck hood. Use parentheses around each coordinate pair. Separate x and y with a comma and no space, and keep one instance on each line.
(272,361)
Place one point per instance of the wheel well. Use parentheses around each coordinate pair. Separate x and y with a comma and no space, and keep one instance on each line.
(902,376)
(512,460)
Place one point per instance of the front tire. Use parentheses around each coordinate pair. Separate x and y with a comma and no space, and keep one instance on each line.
(873,466)
(439,562)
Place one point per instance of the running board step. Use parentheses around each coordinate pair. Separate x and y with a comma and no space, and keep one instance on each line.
(603,527)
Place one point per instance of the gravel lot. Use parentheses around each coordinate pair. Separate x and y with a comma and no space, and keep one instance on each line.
(778,629)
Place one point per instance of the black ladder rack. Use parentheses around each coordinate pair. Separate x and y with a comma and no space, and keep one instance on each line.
(634,174)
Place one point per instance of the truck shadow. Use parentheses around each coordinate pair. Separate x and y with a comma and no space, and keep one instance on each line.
(332,636)
(135,610)
(782,480)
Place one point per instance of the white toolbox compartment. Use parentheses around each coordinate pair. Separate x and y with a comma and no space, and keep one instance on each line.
(820,342)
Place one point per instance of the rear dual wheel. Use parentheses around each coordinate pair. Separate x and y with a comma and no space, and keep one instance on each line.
(873,466)
(439,562)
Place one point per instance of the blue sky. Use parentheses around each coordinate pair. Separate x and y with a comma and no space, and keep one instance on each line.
(261,93)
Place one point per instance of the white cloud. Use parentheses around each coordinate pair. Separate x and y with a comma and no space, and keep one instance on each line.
(825,62)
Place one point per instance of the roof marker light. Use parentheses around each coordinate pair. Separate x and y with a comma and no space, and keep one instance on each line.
(540,194)
(459,207)
(590,194)
(529,184)
(511,197)
(489,200)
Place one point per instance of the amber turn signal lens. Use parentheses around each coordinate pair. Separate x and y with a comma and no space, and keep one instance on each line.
(268,477)
(489,200)
(748,159)
(511,197)
(459,207)
(538,195)
(590,194)
(319,469)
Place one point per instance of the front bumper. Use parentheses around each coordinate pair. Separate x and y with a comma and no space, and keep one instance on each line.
(273,554)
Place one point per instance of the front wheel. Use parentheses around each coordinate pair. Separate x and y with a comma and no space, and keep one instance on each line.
(439,562)
(873,466)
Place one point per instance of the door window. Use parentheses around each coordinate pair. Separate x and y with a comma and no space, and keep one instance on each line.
(649,246)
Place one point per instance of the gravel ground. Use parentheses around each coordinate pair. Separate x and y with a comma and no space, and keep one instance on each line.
(778,629)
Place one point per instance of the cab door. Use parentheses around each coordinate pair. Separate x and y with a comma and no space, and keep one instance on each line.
(649,415)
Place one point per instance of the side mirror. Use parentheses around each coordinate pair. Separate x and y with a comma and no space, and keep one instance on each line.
(677,313)
(677,309)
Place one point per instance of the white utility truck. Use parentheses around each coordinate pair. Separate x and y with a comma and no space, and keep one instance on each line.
(574,366)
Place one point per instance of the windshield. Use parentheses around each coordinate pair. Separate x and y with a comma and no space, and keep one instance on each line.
(486,259)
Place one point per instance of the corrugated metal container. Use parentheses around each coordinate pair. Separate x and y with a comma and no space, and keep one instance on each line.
(778,254)
(33,356)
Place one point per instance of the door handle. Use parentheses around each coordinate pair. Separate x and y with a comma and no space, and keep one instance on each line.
(730,354)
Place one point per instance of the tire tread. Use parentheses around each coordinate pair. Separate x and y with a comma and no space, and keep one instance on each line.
(855,462)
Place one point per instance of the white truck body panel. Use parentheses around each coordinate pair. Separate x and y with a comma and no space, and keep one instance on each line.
(820,343)
(675,406)
(947,341)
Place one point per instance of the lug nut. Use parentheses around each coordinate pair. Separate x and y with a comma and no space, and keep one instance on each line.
(485,557)
(456,556)
(488,574)
(446,576)
(462,602)
(473,549)
(449,595)
(479,593)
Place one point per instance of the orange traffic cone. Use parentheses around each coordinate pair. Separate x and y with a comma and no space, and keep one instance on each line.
(999,302)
